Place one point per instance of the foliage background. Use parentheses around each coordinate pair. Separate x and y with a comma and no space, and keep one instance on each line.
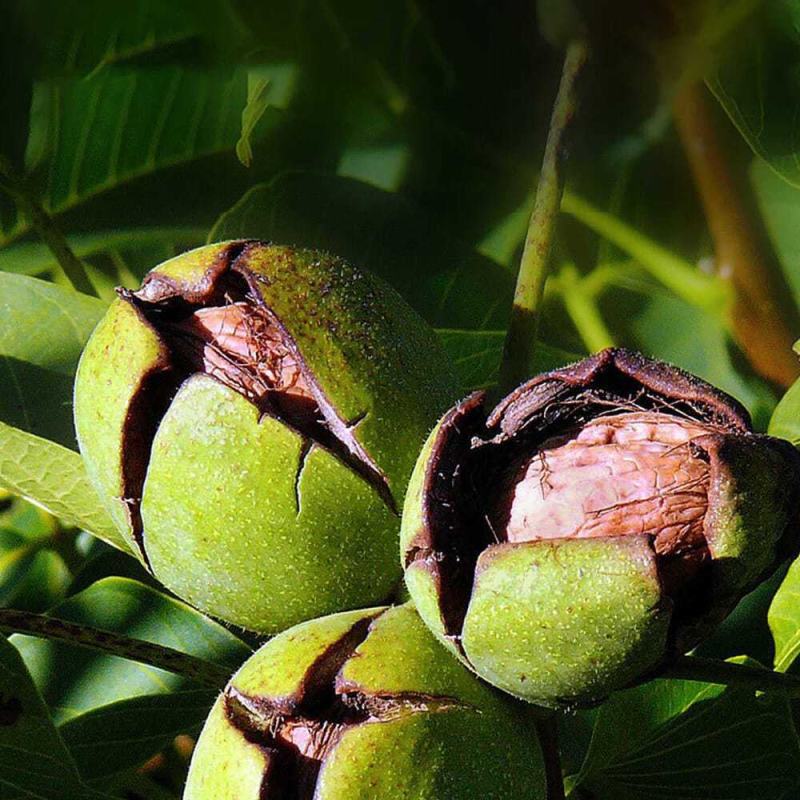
(406,136)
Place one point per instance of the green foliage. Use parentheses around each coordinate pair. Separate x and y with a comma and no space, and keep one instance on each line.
(33,573)
(88,680)
(43,329)
(54,477)
(785,422)
(405,138)
(34,761)
(686,739)
(783,620)
(446,282)
(112,739)
(755,80)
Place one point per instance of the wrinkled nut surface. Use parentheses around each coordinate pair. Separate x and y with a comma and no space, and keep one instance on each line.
(601,519)
(362,705)
(250,417)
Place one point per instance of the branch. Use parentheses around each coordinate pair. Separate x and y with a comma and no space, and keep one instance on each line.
(764,320)
(518,355)
(710,670)
(547,731)
(115,644)
(47,229)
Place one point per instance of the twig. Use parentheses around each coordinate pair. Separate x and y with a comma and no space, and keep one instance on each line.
(47,229)
(583,310)
(155,655)
(520,345)
(710,670)
(680,276)
(764,320)
(547,730)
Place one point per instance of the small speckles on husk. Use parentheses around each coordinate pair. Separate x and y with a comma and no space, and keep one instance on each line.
(250,417)
(601,519)
(363,705)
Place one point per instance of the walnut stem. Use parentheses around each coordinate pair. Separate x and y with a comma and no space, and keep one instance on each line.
(547,731)
(710,670)
(763,318)
(520,345)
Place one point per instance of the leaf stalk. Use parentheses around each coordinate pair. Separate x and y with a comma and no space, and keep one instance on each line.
(115,644)
(46,227)
(520,345)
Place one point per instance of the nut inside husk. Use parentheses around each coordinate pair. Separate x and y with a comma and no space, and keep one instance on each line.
(243,346)
(301,732)
(221,327)
(618,474)
(617,445)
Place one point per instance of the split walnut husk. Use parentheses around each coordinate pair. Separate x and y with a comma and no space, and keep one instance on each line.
(250,418)
(598,521)
(363,705)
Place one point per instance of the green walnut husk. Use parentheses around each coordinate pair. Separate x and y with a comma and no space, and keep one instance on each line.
(363,705)
(250,418)
(600,520)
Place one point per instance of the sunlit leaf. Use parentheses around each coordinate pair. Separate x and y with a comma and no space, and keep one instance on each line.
(32,576)
(35,258)
(54,477)
(666,327)
(34,762)
(84,679)
(122,123)
(115,737)
(266,86)
(779,203)
(43,329)
(785,421)
(784,619)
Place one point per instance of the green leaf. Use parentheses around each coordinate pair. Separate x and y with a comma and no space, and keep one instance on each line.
(26,519)
(694,741)
(53,477)
(34,762)
(266,86)
(756,83)
(785,421)
(32,577)
(121,123)
(784,620)
(123,735)
(383,165)
(35,258)
(779,203)
(43,329)
(85,680)
(33,573)
(476,356)
(95,33)
(16,555)
(447,282)
(506,237)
